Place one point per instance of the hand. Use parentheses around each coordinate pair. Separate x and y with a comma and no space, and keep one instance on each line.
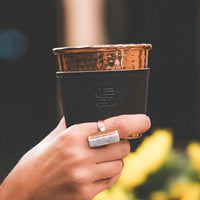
(63,166)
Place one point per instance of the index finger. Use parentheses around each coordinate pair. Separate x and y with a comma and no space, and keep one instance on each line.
(127,125)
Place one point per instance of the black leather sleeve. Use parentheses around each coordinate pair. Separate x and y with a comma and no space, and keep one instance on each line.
(91,96)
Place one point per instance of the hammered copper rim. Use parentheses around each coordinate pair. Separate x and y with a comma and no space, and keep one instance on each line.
(95,48)
(102,57)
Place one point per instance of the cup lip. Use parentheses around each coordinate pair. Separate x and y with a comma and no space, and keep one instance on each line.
(102,71)
(95,48)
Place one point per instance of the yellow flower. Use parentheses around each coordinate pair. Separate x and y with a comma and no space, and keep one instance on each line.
(134,172)
(155,149)
(193,151)
(185,191)
(105,195)
(159,195)
(115,193)
(148,158)
(118,193)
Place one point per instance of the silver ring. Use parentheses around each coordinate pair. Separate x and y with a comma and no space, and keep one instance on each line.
(103,137)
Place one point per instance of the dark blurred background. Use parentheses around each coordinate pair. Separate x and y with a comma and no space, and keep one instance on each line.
(29,31)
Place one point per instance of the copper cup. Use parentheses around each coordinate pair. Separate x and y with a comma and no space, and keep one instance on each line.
(98,82)
(103,57)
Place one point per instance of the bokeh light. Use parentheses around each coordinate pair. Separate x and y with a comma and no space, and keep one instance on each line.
(13,45)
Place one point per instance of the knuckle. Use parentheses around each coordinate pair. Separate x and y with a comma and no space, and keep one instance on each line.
(78,176)
(74,174)
(76,158)
(71,133)
(65,137)
(80,157)
(74,127)
(62,138)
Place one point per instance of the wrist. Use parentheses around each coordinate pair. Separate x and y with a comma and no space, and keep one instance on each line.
(16,187)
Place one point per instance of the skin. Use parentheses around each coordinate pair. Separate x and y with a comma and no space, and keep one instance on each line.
(63,166)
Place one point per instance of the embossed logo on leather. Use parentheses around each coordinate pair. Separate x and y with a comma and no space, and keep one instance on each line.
(105,97)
